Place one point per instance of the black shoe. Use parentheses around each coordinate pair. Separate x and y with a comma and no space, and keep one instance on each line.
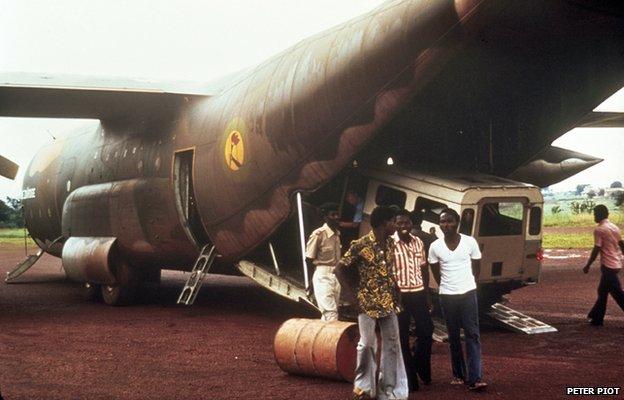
(595,322)
(412,384)
(477,386)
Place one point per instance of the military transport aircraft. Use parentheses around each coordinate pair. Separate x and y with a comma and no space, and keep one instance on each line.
(175,175)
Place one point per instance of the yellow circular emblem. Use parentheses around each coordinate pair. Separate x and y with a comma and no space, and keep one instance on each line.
(234,151)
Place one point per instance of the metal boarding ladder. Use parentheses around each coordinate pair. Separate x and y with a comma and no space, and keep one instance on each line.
(516,321)
(28,262)
(193,284)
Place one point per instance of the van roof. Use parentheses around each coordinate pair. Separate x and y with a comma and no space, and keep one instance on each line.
(454,180)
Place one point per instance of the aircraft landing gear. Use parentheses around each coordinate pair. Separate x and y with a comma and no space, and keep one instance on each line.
(125,290)
(91,291)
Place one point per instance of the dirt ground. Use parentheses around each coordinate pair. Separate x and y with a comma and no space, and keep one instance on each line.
(55,345)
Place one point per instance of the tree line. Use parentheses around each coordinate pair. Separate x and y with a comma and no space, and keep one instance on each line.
(11,213)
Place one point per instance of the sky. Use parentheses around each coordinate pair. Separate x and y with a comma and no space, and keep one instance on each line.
(184,41)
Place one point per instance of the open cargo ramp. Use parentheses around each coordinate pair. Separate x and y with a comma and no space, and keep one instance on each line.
(275,283)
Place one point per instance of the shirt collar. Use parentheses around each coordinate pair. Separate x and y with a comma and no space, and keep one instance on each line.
(329,231)
(397,239)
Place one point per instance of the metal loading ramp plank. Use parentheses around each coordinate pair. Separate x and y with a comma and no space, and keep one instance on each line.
(277,284)
(517,321)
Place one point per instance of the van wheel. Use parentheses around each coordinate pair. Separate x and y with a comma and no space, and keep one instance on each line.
(125,290)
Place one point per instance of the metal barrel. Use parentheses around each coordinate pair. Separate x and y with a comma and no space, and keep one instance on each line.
(317,348)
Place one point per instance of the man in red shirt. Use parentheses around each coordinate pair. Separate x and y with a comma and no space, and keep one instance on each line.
(607,242)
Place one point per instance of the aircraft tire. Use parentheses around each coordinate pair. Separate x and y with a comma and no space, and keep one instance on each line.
(149,285)
(124,292)
(92,291)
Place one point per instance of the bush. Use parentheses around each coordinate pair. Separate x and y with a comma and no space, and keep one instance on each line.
(11,213)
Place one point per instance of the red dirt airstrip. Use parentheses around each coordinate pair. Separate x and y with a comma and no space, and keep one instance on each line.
(55,345)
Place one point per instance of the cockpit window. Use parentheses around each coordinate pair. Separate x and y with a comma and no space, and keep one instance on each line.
(501,219)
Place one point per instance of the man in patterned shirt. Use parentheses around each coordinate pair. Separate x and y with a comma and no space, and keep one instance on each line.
(412,275)
(378,302)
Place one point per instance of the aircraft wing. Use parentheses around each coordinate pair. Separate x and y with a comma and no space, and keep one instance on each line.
(553,164)
(64,96)
(603,120)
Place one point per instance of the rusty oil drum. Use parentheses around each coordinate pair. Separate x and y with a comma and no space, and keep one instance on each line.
(317,348)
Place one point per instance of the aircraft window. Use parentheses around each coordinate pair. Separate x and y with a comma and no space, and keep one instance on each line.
(467,220)
(535,221)
(501,219)
(387,196)
(430,209)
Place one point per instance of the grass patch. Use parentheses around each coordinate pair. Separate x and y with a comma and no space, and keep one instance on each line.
(568,240)
(566,218)
(14,237)
(11,233)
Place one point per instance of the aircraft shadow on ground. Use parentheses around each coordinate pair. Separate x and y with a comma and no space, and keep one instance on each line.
(235,295)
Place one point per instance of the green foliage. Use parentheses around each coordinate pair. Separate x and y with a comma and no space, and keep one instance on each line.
(11,213)
(582,207)
(580,188)
(556,209)
(567,218)
(619,199)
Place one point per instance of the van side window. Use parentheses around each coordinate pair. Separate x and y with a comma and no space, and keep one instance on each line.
(501,219)
(535,221)
(431,209)
(467,220)
(387,196)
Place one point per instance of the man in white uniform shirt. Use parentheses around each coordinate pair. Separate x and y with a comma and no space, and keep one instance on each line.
(455,262)
(323,250)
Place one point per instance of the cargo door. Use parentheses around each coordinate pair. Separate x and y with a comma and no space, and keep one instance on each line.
(500,234)
(185,197)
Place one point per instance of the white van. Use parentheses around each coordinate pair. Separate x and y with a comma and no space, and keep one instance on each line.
(503,215)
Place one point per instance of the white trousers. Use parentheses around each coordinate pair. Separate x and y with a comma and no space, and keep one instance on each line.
(392,384)
(327,292)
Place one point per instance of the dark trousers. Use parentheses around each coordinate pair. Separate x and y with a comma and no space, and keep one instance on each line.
(462,311)
(609,283)
(417,359)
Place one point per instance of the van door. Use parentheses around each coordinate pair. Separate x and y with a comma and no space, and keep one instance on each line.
(500,234)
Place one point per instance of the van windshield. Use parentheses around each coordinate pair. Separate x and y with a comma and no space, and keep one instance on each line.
(501,219)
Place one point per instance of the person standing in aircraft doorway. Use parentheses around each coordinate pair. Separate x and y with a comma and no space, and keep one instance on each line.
(351,217)
(323,250)
(455,261)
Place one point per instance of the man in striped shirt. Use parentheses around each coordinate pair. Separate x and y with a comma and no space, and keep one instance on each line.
(413,280)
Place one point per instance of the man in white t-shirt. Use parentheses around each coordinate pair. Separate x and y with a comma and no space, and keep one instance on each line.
(455,262)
